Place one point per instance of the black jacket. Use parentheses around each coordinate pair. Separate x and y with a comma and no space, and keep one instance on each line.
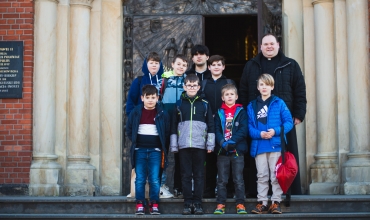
(162,122)
(206,74)
(212,92)
(289,84)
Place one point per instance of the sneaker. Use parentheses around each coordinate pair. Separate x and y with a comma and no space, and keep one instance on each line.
(154,209)
(140,210)
(275,208)
(164,192)
(260,208)
(187,209)
(178,194)
(198,210)
(220,209)
(240,209)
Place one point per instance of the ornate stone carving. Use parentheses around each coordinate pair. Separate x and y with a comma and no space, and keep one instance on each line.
(128,48)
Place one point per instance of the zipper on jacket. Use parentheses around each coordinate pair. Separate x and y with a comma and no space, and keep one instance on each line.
(280,67)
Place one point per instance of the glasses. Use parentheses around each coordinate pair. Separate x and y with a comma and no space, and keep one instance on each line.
(191,86)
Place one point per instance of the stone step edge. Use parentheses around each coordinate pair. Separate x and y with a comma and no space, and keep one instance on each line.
(92,199)
(179,216)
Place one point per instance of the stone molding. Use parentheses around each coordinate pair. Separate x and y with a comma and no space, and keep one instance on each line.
(321,1)
(86,3)
(56,1)
(78,158)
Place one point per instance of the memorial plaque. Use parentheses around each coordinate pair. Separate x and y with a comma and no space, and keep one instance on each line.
(11,69)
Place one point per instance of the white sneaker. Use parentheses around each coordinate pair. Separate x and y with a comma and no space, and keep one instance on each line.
(129,195)
(164,192)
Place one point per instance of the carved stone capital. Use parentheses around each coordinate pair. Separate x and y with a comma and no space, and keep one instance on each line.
(86,3)
(321,1)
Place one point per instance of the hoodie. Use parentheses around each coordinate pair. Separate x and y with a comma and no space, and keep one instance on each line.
(134,94)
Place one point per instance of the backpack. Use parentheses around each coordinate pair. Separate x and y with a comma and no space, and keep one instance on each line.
(204,82)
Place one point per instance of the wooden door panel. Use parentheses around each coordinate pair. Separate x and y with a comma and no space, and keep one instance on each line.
(166,35)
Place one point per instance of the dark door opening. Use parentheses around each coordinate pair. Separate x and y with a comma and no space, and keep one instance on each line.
(235,38)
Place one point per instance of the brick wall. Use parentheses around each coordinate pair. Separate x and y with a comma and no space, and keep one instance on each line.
(16,24)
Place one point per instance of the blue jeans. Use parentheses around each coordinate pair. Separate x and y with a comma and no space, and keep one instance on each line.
(147,165)
(223,165)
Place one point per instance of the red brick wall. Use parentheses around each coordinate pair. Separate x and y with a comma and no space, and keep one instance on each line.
(16,24)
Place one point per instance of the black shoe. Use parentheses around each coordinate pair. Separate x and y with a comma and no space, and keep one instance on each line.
(198,210)
(140,209)
(154,210)
(275,208)
(187,209)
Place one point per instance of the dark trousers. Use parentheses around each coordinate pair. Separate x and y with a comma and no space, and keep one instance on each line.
(223,165)
(211,173)
(177,184)
(192,167)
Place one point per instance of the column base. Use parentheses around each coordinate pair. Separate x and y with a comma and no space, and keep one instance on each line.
(325,175)
(356,174)
(324,189)
(79,180)
(45,176)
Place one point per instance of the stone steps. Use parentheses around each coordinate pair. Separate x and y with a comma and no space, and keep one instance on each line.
(121,207)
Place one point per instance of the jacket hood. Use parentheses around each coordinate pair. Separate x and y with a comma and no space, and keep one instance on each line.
(225,107)
(146,72)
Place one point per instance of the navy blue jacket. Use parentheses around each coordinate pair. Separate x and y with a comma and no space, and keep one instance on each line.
(162,122)
(133,97)
(239,131)
(278,115)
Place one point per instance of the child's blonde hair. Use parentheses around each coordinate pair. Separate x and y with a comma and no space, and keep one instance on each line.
(267,79)
(228,86)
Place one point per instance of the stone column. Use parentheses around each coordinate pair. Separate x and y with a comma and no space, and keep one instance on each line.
(356,171)
(324,172)
(310,76)
(45,172)
(293,47)
(79,173)
(340,40)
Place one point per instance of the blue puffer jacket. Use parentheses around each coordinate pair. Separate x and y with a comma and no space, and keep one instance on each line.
(133,97)
(239,131)
(278,115)
(162,122)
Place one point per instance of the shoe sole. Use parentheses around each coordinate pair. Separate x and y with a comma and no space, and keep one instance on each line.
(139,213)
(276,212)
(218,213)
(242,213)
(255,212)
(155,213)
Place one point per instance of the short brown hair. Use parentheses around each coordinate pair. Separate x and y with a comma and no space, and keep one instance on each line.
(192,78)
(228,86)
(149,90)
(182,57)
(153,56)
(216,58)
(267,79)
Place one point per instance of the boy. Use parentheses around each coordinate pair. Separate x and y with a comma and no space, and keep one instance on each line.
(192,135)
(172,87)
(148,129)
(211,87)
(231,125)
(266,115)
(200,55)
(152,70)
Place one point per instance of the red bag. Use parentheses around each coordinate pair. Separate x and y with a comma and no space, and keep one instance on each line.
(286,168)
(286,172)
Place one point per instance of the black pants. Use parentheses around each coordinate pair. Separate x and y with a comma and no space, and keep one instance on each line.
(192,167)
(177,184)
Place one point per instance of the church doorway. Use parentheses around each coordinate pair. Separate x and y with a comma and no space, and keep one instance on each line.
(233,37)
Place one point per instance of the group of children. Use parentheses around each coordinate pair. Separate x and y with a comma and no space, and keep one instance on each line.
(192,120)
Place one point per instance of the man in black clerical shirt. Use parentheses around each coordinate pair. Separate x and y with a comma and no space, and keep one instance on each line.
(289,86)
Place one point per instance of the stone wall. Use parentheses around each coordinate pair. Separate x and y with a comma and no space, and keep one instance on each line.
(16,24)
